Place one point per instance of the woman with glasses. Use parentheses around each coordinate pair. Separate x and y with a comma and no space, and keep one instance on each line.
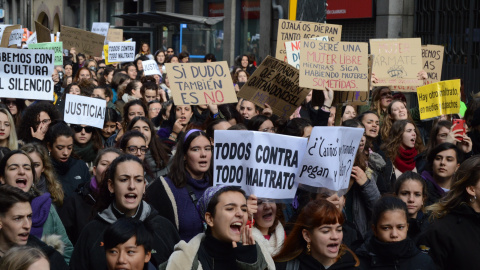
(86,142)
(261,123)
(134,143)
(35,121)
(71,172)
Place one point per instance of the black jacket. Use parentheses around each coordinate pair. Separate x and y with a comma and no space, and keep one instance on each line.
(453,241)
(417,226)
(57,262)
(77,211)
(375,254)
(71,174)
(89,252)
(306,262)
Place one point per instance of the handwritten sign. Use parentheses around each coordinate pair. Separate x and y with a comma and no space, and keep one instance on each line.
(100,28)
(43,33)
(15,38)
(121,51)
(329,158)
(150,67)
(26,74)
(293,51)
(6,34)
(2,29)
(115,35)
(84,110)
(57,47)
(397,61)
(338,65)
(201,83)
(276,83)
(83,41)
(296,30)
(260,162)
(439,99)
(32,39)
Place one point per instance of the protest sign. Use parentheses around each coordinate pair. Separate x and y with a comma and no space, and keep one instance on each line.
(43,33)
(339,65)
(201,83)
(329,158)
(105,54)
(296,30)
(84,42)
(439,99)
(100,28)
(15,39)
(32,39)
(84,110)
(2,29)
(150,67)
(115,35)
(396,61)
(6,34)
(26,74)
(293,51)
(57,47)
(351,97)
(275,82)
(121,51)
(260,162)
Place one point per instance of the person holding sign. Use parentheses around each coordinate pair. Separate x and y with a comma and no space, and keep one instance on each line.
(224,211)
(381,97)
(316,241)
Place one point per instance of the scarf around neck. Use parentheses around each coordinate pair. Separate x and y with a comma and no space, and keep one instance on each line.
(405,160)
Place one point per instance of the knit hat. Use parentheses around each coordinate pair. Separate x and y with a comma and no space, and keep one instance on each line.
(207,196)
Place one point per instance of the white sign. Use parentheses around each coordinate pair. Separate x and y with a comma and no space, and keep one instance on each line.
(293,51)
(2,28)
(32,39)
(16,38)
(121,52)
(26,74)
(100,28)
(84,110)
(260,162)
(329,158)
(150,67)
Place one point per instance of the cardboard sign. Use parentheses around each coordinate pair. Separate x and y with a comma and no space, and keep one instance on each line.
(397,61)
(43,33)
(275,82)
(432,58)
(83,41)
(6,34)
(439,98)
(260,162)
(351,97)
(32,39)
(339,65)
(15,38)
(201,83)
(115,35)
(84,110)
(57,47)
(293,51)
(121,51)
(2,29)
(296,30)
(150,67)
(329,158)
(26,74)
(100,28)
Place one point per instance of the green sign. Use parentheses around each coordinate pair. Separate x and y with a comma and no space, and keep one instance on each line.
(57,47)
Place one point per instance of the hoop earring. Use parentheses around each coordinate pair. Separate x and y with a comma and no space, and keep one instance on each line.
(308,248)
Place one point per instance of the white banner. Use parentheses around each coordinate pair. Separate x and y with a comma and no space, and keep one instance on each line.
(329,157)
(150,67)
(16,38)
(32,39)
(261,163)
(84,110)
(121,52)
(100,28)
(26,74)
(293,51)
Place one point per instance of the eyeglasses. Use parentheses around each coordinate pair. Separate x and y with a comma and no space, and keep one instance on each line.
(154,109)
(79,128)
(271,130)
(134,149)
(388,94)
(44,121)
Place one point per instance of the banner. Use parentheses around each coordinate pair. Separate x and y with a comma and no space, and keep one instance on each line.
(115,35)
(15,38)
(396,61)
(293,51)
(201,83)
(100,28)
(339,65)
(276,83)
(43,33)
(83,41)
(150,67)
(259,162)
(439,98)
(6,34)
(296,30)
(84,110)
(57,47)
(121,51)
(329,158)
(26,74)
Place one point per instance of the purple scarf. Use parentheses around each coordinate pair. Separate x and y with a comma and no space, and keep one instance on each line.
(41,209)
